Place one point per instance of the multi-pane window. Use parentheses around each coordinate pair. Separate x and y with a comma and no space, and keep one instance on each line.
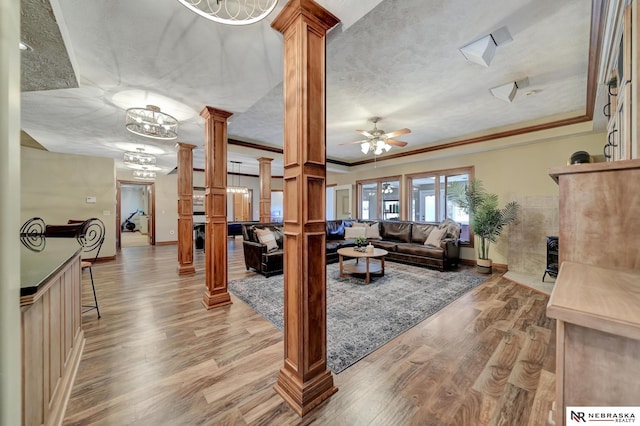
(379,199)
(428,198)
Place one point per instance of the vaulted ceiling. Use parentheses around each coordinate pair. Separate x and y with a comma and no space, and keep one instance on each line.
(399,60)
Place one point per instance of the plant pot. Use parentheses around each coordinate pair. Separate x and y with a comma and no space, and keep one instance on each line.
(483,266)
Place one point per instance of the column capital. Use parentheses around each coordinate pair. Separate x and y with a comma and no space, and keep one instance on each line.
(183,145)
(211,112)
(264,159)
(310,10)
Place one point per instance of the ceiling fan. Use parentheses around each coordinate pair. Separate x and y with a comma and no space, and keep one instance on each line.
(377,140)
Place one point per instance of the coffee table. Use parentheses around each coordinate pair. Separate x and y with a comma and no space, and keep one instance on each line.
(365,268)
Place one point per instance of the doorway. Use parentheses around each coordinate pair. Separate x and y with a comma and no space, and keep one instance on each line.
(135,208)
(343,202)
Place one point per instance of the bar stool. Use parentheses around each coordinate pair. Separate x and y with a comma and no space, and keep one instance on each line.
(91,237)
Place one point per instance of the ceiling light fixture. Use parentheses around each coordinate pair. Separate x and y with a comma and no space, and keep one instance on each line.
(237,189)
(231,12)
(507,92)
(139,159)
(377,146)
(144,175)
(150,122)
(483,50)
(387,188)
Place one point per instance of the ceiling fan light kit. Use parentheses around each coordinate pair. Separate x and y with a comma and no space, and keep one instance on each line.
(150,122)
(377,140)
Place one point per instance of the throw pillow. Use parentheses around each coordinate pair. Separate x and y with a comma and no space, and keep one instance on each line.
(353,232)
(453,228)
(267,238)
(435,237)
(358,225)
(373,231)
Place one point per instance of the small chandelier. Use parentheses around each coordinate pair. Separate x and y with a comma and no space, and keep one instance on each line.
(139,159)
(377,146)
(231,12)
(151,123)
(386,188)
(237,189)
(144,175)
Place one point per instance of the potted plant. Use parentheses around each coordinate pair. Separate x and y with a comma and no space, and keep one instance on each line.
(487,220)
(360,241)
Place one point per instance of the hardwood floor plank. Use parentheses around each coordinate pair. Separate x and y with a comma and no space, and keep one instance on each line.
(157,357)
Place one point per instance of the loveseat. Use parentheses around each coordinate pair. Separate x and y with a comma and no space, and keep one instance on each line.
(405,242)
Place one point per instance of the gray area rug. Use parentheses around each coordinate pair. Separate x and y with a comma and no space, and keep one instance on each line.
(363,317)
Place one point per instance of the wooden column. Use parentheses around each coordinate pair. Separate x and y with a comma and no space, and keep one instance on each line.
(304,381)
(215,205)
(185,209)
(265,189)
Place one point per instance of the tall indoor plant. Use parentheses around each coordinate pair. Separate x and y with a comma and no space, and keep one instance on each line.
(487,220)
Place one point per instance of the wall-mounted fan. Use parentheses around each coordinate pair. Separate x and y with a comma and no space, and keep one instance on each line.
(377,140)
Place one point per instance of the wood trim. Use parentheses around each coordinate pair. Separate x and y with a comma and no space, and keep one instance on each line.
(265,189)
(456,170)
(166,243)
(152,209)
(215,206)
(598,23)
(275,149)
(185,209)
(478,139)
(304,381)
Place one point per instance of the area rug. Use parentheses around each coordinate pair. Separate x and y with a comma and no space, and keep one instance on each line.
(363,317)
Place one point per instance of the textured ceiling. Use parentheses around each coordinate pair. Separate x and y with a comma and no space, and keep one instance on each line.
(395,59)
(48,65)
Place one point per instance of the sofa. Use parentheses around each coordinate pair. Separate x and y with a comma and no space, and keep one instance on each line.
(403,240)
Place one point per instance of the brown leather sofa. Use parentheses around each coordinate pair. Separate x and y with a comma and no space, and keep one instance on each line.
(403,240)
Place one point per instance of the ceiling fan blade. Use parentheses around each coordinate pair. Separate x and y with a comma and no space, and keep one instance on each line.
(365,133)
(396,143)
(349,143)
(398,133)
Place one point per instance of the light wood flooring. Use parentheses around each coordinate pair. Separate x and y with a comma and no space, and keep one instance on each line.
(157,357)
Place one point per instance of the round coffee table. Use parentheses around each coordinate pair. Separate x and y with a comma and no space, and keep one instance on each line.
(362,268)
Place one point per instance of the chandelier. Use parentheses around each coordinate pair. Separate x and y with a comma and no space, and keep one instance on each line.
(387,188)
(139,160)
(377,146)
(151,123)
(144,175)
(237,189)
(231,12)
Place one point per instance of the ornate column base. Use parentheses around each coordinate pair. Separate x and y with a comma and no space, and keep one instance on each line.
(216,300)
(186,270)
(304,397)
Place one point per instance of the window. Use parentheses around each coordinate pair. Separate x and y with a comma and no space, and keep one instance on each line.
(379,199)
(428,202)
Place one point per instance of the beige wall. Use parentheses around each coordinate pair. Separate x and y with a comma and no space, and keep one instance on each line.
(55,187)
(511,172)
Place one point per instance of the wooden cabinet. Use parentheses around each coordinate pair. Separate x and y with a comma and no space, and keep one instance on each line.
(598,217)
(597,293)
(598,337)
